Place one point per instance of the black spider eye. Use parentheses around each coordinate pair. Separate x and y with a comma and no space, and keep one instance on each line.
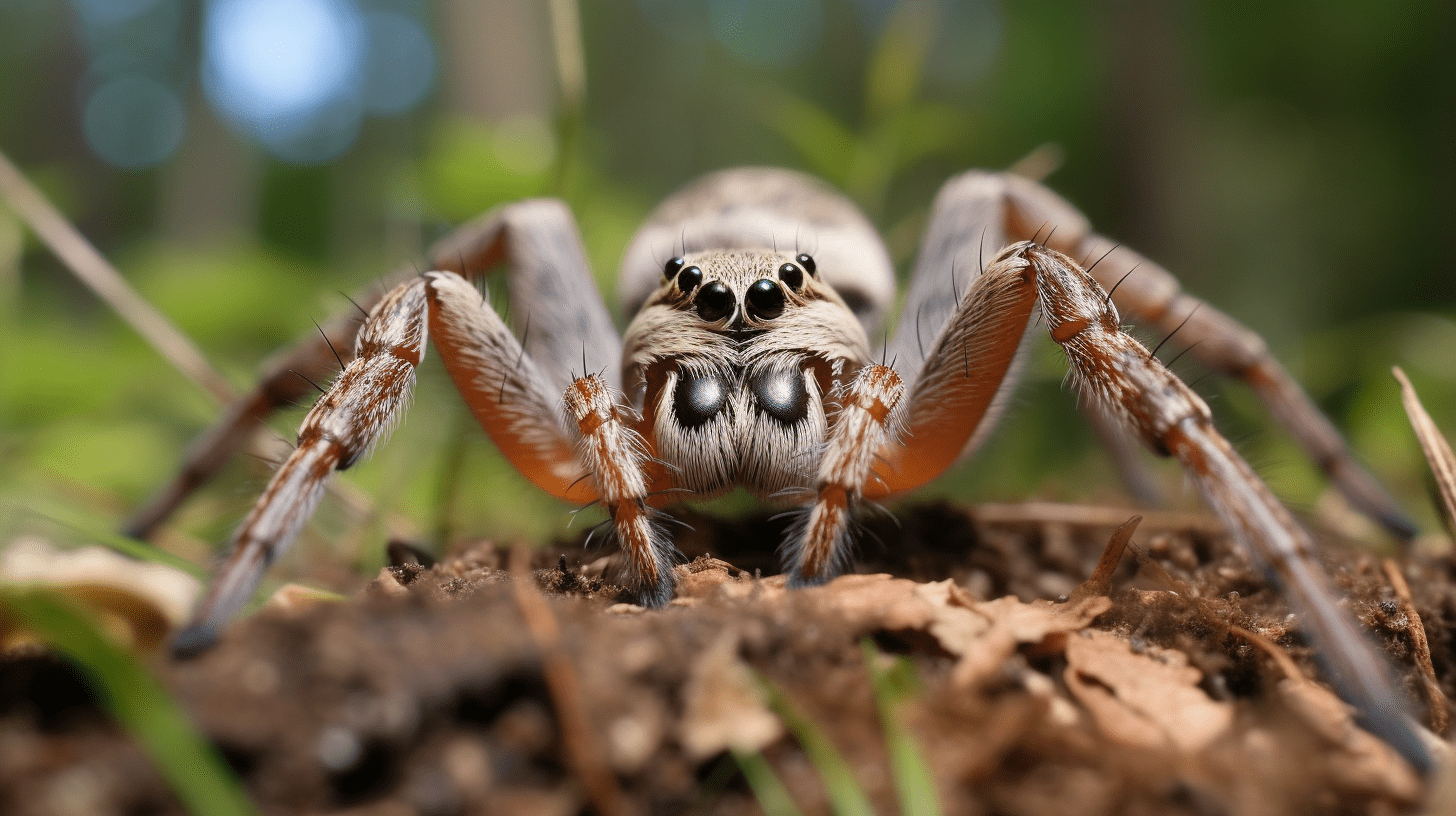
(766,299)
(714,302)
(688,279)
(807,261)
(671,268)
(791,276)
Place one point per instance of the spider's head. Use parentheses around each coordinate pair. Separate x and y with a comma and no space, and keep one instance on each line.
(741,291)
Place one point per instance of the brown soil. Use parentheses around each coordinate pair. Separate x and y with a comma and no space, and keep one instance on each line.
(452,689)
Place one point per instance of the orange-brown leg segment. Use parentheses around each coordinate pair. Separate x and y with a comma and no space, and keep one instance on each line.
(564,322)
(617,458)
(816,546)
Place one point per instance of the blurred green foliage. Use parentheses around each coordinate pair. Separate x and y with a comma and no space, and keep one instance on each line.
(1290,164)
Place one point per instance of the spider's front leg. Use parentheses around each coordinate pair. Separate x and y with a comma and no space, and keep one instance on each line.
(1122,378)
(515,388)
(356,413)
(867,419)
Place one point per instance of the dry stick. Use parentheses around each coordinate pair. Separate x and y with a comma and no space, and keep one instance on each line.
(1101,581)
(583,749)
(1086,515)
(102,278)
(1437,450)
(1440,708)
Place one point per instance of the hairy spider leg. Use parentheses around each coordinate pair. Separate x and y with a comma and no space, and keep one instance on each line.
(994,209)
(1121,378)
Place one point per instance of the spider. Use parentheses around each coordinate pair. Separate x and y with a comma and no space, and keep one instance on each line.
(748,364)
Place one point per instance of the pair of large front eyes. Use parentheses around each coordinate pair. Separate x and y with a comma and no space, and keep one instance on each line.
(714,302)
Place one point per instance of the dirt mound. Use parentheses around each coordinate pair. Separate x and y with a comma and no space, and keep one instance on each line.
(980,667)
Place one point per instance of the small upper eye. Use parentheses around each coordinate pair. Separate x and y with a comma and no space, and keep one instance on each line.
(714,302)
(791,276)
(807,261)
(671,267)
(688,279)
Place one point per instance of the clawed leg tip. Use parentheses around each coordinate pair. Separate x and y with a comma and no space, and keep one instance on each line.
(656,596)
(798,580)
(193,641)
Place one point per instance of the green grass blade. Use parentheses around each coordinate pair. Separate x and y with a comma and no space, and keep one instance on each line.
(768,789)
(99,533)
(846,798)
(196,772)
(914,784)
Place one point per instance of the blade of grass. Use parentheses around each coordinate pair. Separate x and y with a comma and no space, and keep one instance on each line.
(102,278)
(100,533)
(1437,449)
(768,789)
(193,767)
(914,784)
(846,798)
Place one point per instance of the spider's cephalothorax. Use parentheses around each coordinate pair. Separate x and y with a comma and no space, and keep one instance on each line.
(731,362)
(749,365)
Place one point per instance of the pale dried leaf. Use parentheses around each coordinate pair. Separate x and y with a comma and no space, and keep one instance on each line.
(1142,700)
(1365,763)
(136,603)
(723,706)
(1014,624)
(297,597)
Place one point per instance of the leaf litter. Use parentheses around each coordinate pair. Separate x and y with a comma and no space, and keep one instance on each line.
(1051,676)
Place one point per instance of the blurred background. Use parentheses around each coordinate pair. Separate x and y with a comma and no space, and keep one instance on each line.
(244,162)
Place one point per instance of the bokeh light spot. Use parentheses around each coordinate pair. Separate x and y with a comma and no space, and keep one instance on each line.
(769,33)
(133,122)
(287,72)
(110,12)
(401,64)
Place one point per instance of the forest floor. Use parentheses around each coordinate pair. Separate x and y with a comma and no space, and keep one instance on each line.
(964,666)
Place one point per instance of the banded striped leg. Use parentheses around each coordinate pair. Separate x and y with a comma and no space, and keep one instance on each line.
(1152,295)
(356,413)
(517,405)
(622,470)
(1121,377)
(817,546)
(536,238)
(978,213)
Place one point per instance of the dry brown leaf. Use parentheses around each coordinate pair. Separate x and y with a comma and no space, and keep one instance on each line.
(1014,624)
(1142,700)
(723,706)
(1365,763)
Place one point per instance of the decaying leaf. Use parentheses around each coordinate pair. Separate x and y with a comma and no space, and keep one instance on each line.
(136,603)
(1363,762)
(1150,700)
(723,706)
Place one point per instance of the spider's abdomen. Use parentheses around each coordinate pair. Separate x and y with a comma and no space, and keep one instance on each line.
(717,427)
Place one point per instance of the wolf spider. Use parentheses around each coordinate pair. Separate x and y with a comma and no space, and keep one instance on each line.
(749,364)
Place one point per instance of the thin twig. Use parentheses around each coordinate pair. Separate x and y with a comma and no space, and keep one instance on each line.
(1101,581)
(102,278)
(1437,449)
(583,748)
(1440,707)
(1082,515)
